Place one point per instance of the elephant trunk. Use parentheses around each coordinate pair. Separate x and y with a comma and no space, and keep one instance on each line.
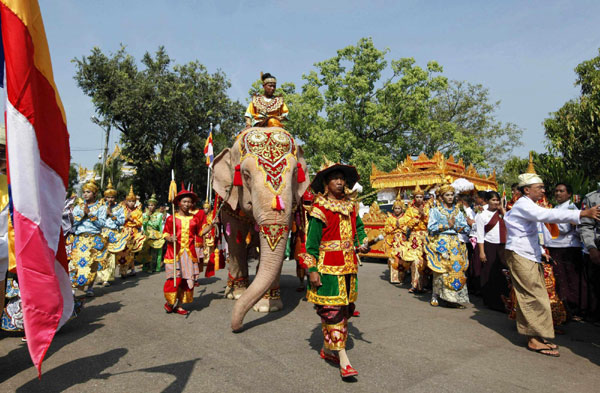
(270,268)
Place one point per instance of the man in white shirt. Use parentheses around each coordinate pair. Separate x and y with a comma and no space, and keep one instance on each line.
(524,256)
(565,250)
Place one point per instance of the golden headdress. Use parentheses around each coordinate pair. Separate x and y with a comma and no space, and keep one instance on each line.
(418,191)
(444,188)
(110,191)
(529,177)
(131,196)
(153,199)
(399,201)
(269,78)
(91,186)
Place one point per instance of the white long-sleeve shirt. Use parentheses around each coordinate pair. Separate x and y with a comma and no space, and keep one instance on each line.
(568,236)
(522,229)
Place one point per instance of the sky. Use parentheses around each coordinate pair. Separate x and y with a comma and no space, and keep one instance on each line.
(523,52)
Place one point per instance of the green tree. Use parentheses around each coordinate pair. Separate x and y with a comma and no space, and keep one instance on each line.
(358,108)
(73,178)
(574,130)
(162,111)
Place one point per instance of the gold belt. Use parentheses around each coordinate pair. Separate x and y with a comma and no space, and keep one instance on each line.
(336,245)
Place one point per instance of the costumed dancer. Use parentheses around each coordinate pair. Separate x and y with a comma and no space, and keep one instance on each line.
(115,218)
(266,110)
(524,257)
(153,227)
(446,255)
(335,230)
(299,230)
(89,218)
(201,218)
(132,232)
(180,290)
(413,251)
(395,231)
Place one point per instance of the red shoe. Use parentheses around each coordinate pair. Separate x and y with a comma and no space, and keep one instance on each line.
(356,313)
(348,372)
(330,357)
(181,311)
(168,308)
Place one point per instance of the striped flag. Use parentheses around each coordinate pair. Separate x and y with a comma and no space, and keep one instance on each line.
(208,148)
(38,170)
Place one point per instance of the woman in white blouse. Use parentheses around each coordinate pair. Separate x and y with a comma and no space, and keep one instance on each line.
(491,238)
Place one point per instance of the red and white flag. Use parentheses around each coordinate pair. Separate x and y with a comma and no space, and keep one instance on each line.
(38,171)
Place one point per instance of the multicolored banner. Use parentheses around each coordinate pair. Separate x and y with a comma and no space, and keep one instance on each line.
(37,143)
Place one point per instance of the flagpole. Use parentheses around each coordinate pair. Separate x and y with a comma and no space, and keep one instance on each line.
(174,235)
(209,170)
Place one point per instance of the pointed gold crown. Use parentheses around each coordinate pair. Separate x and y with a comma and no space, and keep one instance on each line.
(90,185)
(326,163)
(153,199)
(131,196)
(530,167)
(110,191)
(399,201)
(418,190)
(444,188)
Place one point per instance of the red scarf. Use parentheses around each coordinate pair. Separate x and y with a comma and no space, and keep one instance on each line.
(492,223)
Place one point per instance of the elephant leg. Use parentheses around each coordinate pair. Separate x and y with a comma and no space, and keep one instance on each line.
(238,281)
(271,300)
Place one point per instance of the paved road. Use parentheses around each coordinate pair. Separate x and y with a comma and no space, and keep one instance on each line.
(124,342)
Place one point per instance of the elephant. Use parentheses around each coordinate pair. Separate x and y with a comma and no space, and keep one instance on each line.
(261,178)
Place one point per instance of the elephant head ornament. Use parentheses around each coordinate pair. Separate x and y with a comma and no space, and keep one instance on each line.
(262,176)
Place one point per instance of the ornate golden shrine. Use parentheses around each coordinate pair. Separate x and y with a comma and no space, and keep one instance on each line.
(425,171)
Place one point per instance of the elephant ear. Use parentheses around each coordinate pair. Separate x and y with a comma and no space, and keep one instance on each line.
(301,187)
(223,178)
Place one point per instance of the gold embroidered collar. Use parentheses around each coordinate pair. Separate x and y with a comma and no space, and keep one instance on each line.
(344,206)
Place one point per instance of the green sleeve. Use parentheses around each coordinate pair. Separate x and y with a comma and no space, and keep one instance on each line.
(360,232)
(313,239)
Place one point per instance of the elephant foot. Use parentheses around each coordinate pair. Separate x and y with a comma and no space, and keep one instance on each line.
(236,287)
(271,302)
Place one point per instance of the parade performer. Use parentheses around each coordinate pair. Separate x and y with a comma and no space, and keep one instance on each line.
(132,232)
(266,110)
(180,290)
(413,251)
(524,256)
(335,230)
(205,243)
(201,218)
(153,226)
(395,239)
(115,218)
(88,244)
(446,255)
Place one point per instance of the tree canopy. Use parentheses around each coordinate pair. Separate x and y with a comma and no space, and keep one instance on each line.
(358,108)
(573,131)
(163,112)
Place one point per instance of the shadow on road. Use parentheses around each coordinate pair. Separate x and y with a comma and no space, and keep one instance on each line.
(74,372)
(289,297)
(84,324)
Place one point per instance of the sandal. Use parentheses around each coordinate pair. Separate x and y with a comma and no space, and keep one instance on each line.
(412,290)
(545,351)
(329,357)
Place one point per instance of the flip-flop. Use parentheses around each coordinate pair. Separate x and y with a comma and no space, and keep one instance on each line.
(550,344)
(541,351)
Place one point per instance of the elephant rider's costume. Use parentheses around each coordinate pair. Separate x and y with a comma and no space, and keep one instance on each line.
(187,227)
(334,230)
(413,251)
(266,111)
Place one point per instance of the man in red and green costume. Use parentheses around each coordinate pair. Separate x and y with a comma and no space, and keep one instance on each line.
(334,232)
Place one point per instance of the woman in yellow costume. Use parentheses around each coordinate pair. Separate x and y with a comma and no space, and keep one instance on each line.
(88,244)
(413,250)
(132,231)
(446,255)
(153,225)
(266,110)
(394,240)
(112,234)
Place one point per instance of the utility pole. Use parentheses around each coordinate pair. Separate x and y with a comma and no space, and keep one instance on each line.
(104,156)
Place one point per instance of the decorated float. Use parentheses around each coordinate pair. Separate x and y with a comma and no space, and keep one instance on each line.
(428,173)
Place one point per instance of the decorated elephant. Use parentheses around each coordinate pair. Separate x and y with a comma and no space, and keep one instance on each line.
(261,178)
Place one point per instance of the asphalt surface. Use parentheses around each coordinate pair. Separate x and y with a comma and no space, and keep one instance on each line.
(123,341)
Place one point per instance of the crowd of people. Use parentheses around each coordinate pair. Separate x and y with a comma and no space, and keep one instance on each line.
(536,262)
